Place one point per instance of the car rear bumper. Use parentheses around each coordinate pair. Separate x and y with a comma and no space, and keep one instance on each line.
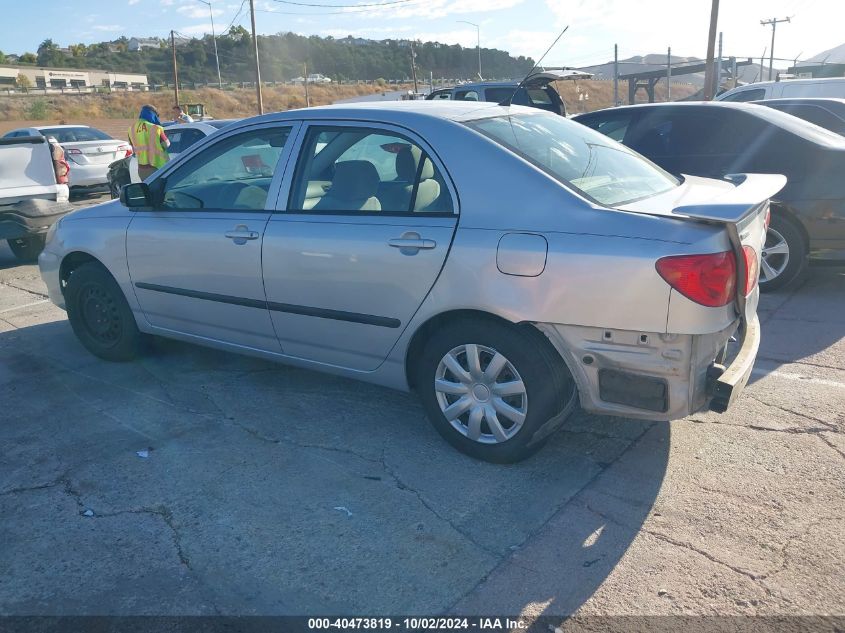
(654,376)
(726,383)
(88,175)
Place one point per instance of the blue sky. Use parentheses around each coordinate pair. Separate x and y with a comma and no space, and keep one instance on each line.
(524,27)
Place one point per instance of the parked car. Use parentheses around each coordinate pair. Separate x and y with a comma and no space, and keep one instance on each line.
(359,240)
(181,136)
(826,113)
(33,192)
(719,138)
(788,88)
(89,151)
(535,92)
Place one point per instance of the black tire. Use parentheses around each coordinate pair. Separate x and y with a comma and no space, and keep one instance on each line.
(783,229)
(99,314)
(114,189)
(549,388)
(27,249)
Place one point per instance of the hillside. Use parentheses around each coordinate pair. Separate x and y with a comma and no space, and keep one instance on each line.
(282,57)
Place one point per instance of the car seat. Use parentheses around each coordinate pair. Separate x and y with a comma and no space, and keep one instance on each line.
(353,188)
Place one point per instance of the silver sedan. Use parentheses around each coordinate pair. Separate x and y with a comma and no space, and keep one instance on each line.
(505,263)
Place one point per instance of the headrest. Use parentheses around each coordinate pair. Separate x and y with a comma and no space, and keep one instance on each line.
(354,180)
(407,160)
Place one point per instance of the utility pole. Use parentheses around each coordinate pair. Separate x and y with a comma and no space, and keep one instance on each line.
(214,39)
(718,73)
(414,68)
(257,66)
(615,75)
(477,45)
(305,83)
(669,74)
(711,44)
(175,71)
(774,22)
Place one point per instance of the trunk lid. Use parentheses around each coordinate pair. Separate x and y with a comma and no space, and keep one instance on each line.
(95,152)
(740,204)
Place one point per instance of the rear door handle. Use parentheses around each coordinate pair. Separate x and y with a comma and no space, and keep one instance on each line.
(241,233)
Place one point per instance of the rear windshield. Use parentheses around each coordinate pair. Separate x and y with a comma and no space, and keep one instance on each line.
(800,127)
(75,134)
(581,158)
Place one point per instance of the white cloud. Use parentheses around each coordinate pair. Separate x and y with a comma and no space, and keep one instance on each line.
(168,3)
(191,11)
(107,27)
(131,2)
(195,29)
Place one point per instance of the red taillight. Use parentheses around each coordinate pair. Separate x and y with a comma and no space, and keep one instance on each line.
(752,269)
(127,149)
(706,279)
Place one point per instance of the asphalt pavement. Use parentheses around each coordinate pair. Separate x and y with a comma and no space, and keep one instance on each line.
(194,481)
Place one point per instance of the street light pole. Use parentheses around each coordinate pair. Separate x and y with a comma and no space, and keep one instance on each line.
(478,43)
(214,39)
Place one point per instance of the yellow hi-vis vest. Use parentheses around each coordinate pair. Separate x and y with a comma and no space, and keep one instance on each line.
(145,138)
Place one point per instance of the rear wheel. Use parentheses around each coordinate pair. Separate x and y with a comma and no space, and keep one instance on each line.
(99,314)
(493,391)
(784,256)
(27,249)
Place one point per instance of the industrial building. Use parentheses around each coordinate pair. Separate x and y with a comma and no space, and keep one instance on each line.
(62,78)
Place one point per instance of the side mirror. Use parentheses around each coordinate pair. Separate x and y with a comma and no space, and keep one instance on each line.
(135,195)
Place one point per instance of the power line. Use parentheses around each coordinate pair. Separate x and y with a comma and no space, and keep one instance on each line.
(341,6)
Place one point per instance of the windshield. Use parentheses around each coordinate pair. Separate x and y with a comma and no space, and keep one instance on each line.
(602,169)
(75,134)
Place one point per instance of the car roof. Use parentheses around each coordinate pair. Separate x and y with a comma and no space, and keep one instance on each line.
(804,80)
(400,112)
(55,127)
(734,105)
(804,101)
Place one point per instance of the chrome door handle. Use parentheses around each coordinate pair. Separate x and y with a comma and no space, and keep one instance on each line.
(241,233)
(399,242)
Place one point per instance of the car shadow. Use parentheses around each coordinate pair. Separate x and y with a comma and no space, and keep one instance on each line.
(804,323)
(293,492)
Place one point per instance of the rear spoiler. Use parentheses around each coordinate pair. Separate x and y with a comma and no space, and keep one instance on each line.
(733,205)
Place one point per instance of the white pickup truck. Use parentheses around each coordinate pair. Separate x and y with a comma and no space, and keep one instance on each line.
(33,192)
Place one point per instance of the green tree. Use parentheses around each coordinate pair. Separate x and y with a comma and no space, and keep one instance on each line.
(2,58)
(23,81)
(28,58)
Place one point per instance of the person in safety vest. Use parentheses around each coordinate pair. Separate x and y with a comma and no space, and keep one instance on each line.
(149,142)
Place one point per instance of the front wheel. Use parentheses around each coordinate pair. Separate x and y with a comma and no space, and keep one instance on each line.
(784,256)
(99,314)
(27,249)
(493,391)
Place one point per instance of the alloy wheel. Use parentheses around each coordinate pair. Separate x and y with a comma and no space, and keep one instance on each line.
(481,393)
(775,256)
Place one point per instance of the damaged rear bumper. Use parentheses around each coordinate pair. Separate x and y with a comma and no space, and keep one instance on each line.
(30,217)
(654,376)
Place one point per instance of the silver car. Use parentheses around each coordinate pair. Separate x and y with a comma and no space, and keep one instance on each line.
(89,151)
(505,263)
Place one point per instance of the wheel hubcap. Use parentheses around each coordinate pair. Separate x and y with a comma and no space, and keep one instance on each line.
(481,393)
(100,314)
(775,256)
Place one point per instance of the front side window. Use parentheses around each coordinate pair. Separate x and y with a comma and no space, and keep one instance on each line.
(366,170)
(441,94)
(577,156)
(234,173)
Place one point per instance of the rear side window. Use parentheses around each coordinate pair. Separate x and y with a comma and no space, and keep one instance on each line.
(539,96)
(466,95)
(691,133)
(747,95)
(180,140)
(362,170)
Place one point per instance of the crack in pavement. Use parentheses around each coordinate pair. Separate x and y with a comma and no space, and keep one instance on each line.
(791,430)
(164,513)
(43,295)
(793,361)
(829,425)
